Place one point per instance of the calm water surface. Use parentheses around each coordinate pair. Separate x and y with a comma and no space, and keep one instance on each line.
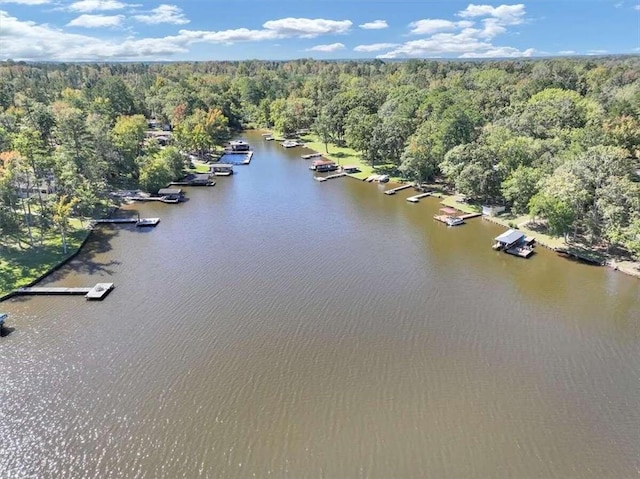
(274,326)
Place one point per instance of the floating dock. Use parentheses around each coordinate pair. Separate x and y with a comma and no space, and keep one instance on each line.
(99,291)
(393,191)
(311,155)
(329,177)
(417,198)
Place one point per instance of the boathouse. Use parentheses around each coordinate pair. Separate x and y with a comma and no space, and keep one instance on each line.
(222,169)
(323,165)
(514,242)
(171,194)
(508,239)
(351,169)
(239,145)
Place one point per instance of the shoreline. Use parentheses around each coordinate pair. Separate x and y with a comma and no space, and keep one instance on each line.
(630,268)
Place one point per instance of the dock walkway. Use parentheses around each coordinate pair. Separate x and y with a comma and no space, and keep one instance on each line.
(136,221)
(99,291)
(329,177)
(393,191)
(417,198)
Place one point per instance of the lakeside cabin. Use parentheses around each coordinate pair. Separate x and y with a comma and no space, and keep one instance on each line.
(222,169)
(323,165)
(514,242)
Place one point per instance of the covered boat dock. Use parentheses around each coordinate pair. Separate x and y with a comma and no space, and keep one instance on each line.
(514,242)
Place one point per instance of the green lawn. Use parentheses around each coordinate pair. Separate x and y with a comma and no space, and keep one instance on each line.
(450,201)
(348,157)
(19,267)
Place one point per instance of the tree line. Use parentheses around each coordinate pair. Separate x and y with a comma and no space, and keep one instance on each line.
(557,139)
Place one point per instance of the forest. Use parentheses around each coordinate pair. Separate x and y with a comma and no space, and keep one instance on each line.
(556,139)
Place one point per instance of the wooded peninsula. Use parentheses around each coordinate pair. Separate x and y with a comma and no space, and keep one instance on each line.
(557,140)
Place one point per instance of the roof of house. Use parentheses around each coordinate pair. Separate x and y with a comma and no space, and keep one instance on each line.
(510,236)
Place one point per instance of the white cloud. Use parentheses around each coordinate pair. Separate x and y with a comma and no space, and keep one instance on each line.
(636,7)
(96,5)
(333,47)
(374,47)
(228,36)
(28,40)
(26,2)
(506,14)
(31,41)
(500,52)
(567,52)
(597,52)
(307,27)
(96,21)
(164,14)
(467,43)
(430,25)
(375,25)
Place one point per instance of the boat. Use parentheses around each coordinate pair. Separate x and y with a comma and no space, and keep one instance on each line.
(383,178)
(147,221)
(454,221)
(290,143)
(3,317)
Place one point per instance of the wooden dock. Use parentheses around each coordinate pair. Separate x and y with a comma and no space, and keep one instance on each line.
(470,215)
(393,191)
(99,291)
(417,198)
(329,177)
(520,251)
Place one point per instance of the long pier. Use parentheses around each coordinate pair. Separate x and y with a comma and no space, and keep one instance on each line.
(137,221)
(393,191)
(417,198)
(329,177)
(99,291)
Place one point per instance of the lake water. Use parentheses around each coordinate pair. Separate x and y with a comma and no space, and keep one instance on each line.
(275,326)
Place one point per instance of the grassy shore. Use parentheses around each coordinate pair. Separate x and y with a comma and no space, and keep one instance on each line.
(19,267)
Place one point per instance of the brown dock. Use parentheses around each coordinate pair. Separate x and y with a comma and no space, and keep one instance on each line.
(99,291)
(393,191)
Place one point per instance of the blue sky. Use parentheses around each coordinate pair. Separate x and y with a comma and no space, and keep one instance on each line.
(119,30)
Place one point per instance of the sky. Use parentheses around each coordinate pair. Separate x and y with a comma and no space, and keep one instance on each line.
(199,30)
